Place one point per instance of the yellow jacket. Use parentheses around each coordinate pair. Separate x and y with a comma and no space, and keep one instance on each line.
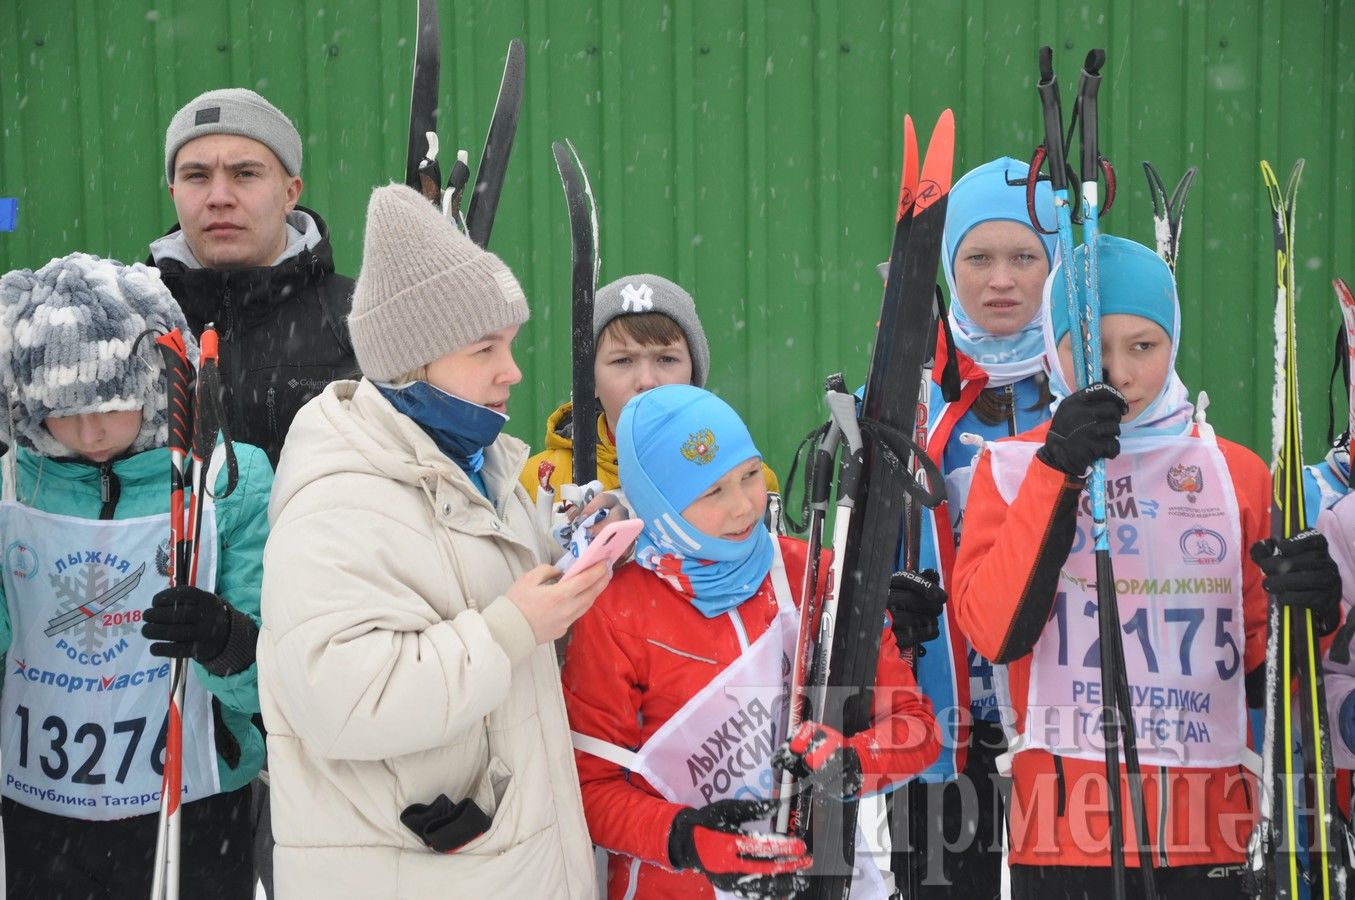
(559,452)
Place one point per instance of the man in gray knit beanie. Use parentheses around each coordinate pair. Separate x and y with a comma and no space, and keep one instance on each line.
(67,334)
(425,289)
(246,256)
(234,111)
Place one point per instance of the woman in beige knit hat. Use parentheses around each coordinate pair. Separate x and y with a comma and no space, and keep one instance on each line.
(417,735)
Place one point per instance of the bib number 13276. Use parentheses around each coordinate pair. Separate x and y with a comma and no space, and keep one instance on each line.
(62,751)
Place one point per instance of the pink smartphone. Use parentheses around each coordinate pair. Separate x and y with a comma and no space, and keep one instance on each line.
(610,544)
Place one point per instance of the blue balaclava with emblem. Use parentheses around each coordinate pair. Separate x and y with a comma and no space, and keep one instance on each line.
(672,444)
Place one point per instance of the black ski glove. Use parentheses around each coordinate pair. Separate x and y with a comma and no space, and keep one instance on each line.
(756,866)
(1086,428)
(915,603)
(446,826)
(186,622)
(821,757)
(1301,574)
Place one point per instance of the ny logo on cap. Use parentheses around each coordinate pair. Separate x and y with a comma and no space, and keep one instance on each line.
(637,299)
(207,116)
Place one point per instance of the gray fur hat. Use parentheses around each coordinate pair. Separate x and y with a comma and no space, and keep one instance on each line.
(66,338)
(234,111)
(646,293)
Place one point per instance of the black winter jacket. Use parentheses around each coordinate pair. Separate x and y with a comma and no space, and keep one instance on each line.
(283,334)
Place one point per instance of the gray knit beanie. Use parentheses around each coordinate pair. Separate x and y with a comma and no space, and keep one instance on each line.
(655,294)
(425,289)
(234,111)
(66,338)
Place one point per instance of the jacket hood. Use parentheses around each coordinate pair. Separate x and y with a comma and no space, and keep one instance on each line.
(351,428)
(198,289)
(560,436)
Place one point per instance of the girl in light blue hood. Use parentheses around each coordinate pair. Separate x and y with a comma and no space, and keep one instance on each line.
(995,265)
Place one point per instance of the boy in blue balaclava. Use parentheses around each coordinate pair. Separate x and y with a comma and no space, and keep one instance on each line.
(686,656)
(1183,506)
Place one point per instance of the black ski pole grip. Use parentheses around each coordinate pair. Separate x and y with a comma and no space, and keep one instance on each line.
(1095,60)
(1088,86)
(1052,108)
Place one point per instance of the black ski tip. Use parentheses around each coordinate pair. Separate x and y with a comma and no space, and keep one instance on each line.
(1095,60)
(1046,64)
(835,383)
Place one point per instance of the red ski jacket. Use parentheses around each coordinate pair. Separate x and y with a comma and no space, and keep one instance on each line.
(1003,593)
(639,655)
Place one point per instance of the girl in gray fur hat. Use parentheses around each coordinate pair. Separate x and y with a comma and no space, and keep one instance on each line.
(86,620)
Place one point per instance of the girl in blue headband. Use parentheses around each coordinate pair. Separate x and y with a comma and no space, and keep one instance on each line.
(676,679)
(995,265)
(1184,506)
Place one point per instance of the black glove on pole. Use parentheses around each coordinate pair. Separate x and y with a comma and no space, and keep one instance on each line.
(186,622)
(1086,427)
(1301,574)
(915,603)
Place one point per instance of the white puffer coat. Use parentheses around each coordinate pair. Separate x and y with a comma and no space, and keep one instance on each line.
(392,669)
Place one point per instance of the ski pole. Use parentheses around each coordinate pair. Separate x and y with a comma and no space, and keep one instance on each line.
(818,482)
(178,377)
(1085,341)
(1119,732)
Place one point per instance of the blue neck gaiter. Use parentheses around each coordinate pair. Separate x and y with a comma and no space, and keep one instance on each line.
(461,429)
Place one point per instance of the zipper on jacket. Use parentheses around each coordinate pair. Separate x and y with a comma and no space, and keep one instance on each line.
(227,313)
(271,403)
(109,490)
(1011,410)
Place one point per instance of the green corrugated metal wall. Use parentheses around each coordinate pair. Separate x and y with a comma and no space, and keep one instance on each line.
(748,149)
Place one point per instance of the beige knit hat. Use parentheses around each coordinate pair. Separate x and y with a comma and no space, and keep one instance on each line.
(425,289)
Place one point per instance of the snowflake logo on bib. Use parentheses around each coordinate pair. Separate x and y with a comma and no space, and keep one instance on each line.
(700,447)
(637,298)
(86,593)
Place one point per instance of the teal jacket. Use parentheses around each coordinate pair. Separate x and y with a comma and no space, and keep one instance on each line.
(73,489)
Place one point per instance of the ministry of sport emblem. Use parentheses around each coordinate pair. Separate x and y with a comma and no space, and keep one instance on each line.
(1184,479)
(21,560)
(1202,547)
(162,559)
(700,447)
